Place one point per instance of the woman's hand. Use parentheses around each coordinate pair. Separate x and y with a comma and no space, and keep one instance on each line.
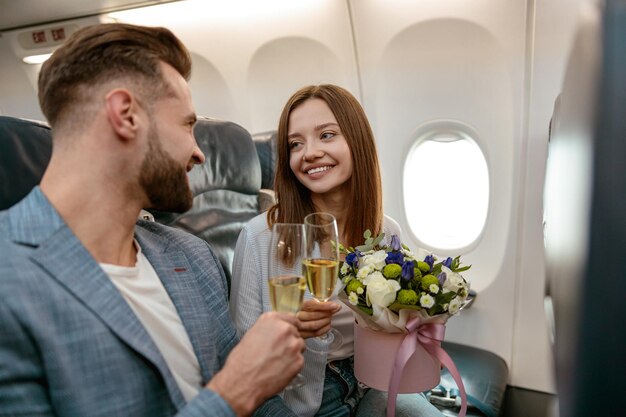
(315,317)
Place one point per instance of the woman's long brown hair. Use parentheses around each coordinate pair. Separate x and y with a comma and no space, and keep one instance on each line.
(365,190)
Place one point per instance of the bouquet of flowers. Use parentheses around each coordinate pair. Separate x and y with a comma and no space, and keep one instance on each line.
(379,278)
(401,300)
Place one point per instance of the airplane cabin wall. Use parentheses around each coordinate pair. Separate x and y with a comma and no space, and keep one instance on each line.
(18,84)
(248,59)
(492,65)
(553,28)
(497,67)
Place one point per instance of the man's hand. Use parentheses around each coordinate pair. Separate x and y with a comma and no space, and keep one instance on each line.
(315,317)
(268,356)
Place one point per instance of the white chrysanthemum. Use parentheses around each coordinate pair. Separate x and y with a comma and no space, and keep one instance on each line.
(433,288)
(363,272)
(359,290)
(376,260)
(373,276)
(454,306)
(353,298)
(344,268)
(381,291)
(427,300)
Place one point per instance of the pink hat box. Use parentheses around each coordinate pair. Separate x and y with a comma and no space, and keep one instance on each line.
(374,356)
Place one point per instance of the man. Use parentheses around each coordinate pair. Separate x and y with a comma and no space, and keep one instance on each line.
(103,315)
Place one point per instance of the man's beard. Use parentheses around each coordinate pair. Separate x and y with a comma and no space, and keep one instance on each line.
(163,180)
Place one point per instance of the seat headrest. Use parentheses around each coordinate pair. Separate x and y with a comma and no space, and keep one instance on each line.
(266,143)
(25,150)
(231,159)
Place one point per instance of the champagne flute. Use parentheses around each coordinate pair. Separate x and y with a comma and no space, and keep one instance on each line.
(321,264)
(285,279)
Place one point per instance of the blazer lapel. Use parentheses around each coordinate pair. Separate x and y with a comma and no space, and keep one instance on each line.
(174,270)
(60,253)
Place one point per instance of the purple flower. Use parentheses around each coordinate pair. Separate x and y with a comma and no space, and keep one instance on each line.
(448,262)
(352,259)
(407,270)
(395,243)
(430,260)
(394,258)
(442,278)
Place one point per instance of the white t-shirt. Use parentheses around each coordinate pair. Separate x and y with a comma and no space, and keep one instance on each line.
(143,291)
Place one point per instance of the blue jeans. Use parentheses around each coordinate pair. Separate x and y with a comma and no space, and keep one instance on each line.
(344,396)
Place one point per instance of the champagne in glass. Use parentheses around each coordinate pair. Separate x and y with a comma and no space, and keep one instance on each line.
(321,264)
(321,277)
(285,279)
(286,293)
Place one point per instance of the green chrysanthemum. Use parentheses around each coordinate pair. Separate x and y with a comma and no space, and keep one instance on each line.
(423,266)
(428,280)
(417,274)
(392,271)
(408,297)
(353,286)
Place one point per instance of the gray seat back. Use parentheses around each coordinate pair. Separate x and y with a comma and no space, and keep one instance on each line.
(226,188)
(25,150)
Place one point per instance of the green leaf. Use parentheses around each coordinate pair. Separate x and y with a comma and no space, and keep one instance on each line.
(442,298)
(365,309)
(379,239)
(465,268)
(367,234)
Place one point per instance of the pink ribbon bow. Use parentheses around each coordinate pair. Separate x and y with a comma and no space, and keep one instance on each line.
(430,336)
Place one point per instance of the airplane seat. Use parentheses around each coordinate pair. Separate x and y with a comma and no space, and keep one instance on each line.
(226,188)
(484,375)
(266,143)
(585,226)
(25,150)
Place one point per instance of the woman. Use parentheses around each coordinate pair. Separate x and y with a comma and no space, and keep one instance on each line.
(326,162)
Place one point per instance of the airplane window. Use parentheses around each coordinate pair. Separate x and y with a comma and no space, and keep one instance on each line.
(446,190)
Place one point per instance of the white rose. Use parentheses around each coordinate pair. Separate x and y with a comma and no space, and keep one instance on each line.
(382,291)
(372,276)
(454,281)
(408,255)
(421,254)
(376,260)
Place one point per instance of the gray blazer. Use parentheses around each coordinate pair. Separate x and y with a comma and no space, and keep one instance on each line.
(69,343)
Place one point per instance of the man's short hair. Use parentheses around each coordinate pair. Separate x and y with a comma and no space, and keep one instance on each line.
(97,54)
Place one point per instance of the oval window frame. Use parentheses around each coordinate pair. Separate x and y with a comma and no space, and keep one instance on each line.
(428,131)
